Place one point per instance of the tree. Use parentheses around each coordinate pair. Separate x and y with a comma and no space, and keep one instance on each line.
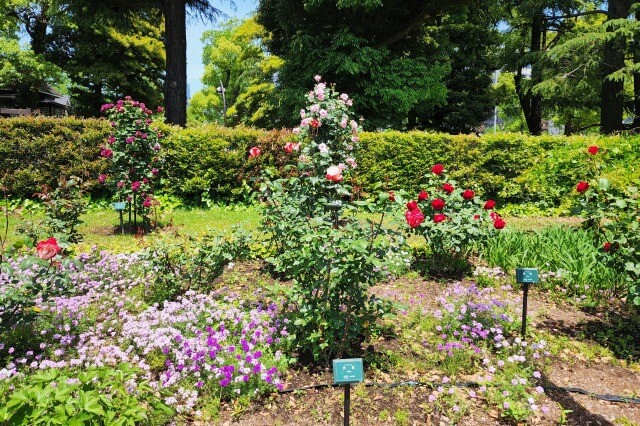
(376,51)
(109,58)
(235,59)
(175,33)
(467,38)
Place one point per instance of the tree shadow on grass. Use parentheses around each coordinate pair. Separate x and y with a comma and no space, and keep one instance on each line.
(617,330)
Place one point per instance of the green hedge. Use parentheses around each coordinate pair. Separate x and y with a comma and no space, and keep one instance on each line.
(211,162)
(35,151)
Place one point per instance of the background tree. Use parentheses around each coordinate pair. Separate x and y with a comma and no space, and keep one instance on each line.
(378,52)
(467,38)
(109,58)
(235,58)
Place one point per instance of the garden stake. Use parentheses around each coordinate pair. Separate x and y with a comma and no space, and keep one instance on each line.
(525,276)
(347,404)
(525,293)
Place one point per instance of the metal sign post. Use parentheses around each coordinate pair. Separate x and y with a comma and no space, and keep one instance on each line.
(345,372)
(525,276)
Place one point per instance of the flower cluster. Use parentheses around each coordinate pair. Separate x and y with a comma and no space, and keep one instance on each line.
(450,218)
(132,150)
(194,342)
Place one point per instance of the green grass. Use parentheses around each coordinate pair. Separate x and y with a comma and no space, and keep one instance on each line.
(101,227)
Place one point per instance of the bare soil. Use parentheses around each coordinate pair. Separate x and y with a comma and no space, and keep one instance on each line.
(409,405)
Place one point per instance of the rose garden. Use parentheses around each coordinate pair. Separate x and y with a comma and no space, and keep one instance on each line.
(161,322)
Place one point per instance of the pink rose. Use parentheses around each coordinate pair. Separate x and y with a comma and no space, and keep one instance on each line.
(289,147)
(102,178)
(48,249)
(135,186)
(254,152)
(334,174)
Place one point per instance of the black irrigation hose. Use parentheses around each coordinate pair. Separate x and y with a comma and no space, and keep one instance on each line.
(605,397)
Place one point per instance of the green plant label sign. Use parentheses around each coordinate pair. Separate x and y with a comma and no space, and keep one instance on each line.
(347,371)
(527,275)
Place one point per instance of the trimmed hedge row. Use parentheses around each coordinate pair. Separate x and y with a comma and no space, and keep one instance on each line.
(211,162)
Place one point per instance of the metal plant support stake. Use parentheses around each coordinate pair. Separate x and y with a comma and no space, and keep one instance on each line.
(525,276)
(345,372)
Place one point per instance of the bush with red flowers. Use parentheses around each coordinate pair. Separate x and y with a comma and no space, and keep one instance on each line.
(614,216)
(451,218)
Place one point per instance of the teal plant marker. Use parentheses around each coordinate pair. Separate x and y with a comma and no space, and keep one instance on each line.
(526,276)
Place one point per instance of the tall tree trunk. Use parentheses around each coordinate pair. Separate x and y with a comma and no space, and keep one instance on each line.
(611,95)
(532,103)
(175,84)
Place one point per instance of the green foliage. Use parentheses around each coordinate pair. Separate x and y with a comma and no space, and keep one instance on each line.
(614,217)
(36,151)
(376,51)
(332,257)
(566,257)
(208,162)
(63,207)
(193,264)
(97,395)
(24,70)
(236,60)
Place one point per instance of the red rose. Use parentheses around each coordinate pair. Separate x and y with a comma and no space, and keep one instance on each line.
(582,186)
(254,152)
(593,150)
(499,223)
(315,123)
(489,204)
(423,195)
(448,188)
(437,169)
(439,218)
(414,217)
(437,204)
(392,196)
(48,249)
(476,217)
(606,246)
(412,205)
(468,194)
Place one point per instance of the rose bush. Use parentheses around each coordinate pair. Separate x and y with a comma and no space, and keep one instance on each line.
(452,219)
(331,256)
(133,152)
(614,216)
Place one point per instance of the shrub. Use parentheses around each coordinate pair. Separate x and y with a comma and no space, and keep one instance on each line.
(37,151)
(332,257)
(614,216)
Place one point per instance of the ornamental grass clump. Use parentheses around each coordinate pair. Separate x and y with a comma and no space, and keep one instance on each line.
(316,240)
(133,154)
(452,219)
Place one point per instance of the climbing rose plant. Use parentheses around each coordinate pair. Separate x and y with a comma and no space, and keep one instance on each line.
(317,241)
(133,152)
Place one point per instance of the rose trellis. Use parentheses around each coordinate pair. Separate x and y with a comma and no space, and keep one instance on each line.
(133,152)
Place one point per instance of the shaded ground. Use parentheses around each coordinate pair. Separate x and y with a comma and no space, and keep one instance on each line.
(582,362)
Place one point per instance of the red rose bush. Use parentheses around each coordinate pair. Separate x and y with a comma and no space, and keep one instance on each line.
(451,218)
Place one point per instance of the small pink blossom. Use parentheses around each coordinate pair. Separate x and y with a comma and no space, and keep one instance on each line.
(334,174)
(317,78)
